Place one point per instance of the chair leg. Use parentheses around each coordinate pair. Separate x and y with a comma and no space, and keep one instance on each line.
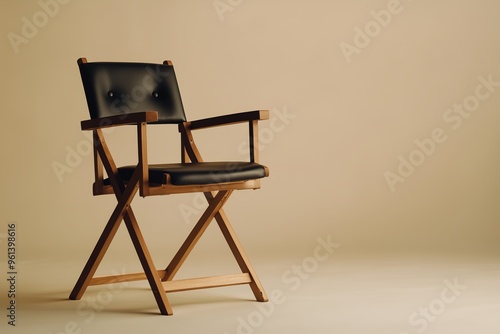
(196,233)
(103,243)
(147,263)
(239,254)
(123,211)
(214,210)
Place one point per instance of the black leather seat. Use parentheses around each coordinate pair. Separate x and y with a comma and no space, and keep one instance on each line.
(198,173)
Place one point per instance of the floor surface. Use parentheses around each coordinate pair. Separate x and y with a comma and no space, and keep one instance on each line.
(323,293)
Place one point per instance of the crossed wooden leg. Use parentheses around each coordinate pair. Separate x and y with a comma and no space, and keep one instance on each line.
(123,211)
(214,210)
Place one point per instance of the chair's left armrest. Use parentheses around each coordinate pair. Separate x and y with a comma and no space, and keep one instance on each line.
(133,118)
(229,119)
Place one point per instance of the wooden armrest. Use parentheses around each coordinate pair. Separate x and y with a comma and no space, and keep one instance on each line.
(133,118)
(229,119)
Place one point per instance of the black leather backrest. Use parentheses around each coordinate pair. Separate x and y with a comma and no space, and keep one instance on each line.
(122,88)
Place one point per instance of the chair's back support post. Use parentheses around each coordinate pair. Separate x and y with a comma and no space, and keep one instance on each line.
(143,159)
(98,187)
(108,162)
(184,155)
(189,147)
(254,140)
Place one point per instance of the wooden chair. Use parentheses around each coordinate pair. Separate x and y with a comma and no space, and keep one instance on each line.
(141,94)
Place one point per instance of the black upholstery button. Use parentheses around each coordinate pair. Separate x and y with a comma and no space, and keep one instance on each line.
(110,94)
(155,94)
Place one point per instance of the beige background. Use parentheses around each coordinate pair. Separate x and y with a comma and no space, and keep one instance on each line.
(338,124)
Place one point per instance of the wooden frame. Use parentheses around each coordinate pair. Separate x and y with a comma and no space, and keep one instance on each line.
(162,281)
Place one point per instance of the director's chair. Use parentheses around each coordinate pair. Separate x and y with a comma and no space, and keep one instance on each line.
(141,94)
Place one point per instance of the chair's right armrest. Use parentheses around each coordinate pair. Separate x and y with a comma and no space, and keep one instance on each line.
(229,119)
(133,118)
